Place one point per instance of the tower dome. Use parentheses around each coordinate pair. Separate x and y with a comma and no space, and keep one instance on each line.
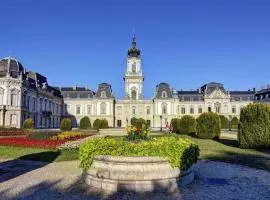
(133,51)
(10,66)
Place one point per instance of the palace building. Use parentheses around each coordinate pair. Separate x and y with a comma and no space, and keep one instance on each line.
(25,94)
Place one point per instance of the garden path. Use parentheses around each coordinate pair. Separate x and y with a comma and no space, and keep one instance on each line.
(20,179)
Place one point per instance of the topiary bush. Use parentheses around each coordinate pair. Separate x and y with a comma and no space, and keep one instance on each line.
(208,126)
(29,124)
(254,126)
(175,124)
(224,121)
(181,153)
(234,123)
(103,124)
(66,125)
(96,124)
(187,125)
(85,123)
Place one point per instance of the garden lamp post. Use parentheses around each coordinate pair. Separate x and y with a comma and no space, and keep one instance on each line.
(160,123)
(4,109)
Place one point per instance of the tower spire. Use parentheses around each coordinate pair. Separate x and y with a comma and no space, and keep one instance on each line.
(133,51)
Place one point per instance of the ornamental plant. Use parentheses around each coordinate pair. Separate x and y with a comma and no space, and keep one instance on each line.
(68,136)
(224,121)
(234,123)
(133,133)
(181,153)
(254,126)
(85,123)
(187,125)
(208,126)
(175,124)
(66,125)
(29,124)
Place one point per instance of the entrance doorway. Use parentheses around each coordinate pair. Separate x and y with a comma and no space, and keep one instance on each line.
(119,123)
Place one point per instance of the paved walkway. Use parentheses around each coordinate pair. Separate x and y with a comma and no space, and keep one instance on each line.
(62,180)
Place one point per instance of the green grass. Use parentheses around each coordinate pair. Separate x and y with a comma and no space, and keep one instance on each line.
(225,150)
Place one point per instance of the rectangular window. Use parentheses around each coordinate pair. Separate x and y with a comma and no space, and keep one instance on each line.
(13,119)
(148,111)
(89,109)
(233,110)
(13,99)
(209,109)
(200,110)
(191,110)
(183,110)
(34,104)
(78,110)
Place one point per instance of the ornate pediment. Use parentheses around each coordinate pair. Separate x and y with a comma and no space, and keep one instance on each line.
(217,94)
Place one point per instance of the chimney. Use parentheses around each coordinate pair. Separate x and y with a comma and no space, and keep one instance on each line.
(74,87)
(254,89)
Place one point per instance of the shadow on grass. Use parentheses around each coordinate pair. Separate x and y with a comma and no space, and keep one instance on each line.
(228,142)
(246,159)
(13,168)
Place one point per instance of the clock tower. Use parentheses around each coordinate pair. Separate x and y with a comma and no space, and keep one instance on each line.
(134,76)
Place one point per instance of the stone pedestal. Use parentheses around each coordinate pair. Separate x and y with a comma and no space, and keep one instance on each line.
(139,174)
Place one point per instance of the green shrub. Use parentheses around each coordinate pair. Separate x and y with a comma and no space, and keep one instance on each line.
(234,123)
(66,125)
(187,125)
(100,124)
(181,153)
(254,126)
(208,126)
(29,124)
(103,124)
(85,123)
(133,121)
(175,124)
(223,121)
(41,135)
(96,124)
(140,122)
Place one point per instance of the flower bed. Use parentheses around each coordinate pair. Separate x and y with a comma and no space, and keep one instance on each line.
(27,142)
(181,153)
(13,131)
(68,136)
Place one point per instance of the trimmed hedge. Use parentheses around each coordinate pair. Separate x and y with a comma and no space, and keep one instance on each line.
(133,121)
(224,121)
(181,153)
(187,125)
(85,123)
(208,126)
(66,125)
(139,123)
(29,124)
(41,135)
(254,126)
(100,124)
(175,124)
(234,123)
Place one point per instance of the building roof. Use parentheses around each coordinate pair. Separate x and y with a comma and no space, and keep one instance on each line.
(133,51)
(163,87)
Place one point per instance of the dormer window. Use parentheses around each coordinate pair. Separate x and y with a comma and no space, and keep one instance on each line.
(103,94)
(164,94)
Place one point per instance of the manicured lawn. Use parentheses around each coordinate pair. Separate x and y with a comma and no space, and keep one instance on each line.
(225,150)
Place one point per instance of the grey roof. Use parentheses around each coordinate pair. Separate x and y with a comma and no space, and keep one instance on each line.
(210,87)
(76,92)
(163,87)
(190,95)
(12,65)
(263,94)
(104,87)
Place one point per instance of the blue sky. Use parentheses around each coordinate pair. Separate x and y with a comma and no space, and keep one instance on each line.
(185,43)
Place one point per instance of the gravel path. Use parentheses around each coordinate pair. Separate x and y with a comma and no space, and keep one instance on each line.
(62,180)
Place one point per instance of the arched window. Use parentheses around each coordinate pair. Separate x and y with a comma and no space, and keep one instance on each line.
(133,93)
(225,109)
(164,109)
(164,94)
(178,109)
(191,110)
(134,110)
(183,110)
(133,67)
(103,108)
(2,96)
(103,94)
(14,98)
(217,107)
